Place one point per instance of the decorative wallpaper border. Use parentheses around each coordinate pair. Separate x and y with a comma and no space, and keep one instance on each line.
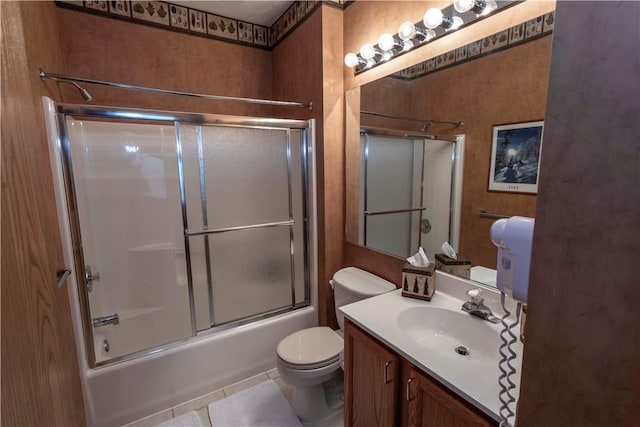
(518,34)
(197,22)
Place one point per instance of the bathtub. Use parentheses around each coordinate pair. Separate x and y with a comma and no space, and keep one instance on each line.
(124,392)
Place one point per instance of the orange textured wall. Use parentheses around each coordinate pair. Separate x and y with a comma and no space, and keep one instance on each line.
(108,49)
(307,66)
(334,156)
(297,68)
(297,73)
(352,165)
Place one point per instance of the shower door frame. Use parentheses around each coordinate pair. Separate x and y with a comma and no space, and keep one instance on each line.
(174,118)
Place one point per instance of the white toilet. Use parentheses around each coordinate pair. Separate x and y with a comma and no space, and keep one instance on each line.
(310,358)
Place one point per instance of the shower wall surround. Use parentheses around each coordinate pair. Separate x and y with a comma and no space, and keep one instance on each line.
(200,23)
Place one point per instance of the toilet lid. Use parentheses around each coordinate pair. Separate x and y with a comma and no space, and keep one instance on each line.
(310,346)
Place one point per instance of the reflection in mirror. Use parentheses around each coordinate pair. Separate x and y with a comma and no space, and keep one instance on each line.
(406,192)
(497,80)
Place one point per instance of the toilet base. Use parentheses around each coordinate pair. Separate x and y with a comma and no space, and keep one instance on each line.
(315,403)
(310,404)
(315,393)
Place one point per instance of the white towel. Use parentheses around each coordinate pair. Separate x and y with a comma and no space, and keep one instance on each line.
(262,405)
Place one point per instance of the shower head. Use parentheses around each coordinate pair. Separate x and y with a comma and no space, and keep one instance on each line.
(85,93)
(426,125)
(64,79)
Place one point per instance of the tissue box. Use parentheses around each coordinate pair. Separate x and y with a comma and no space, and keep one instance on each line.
(460,267)
(418,282)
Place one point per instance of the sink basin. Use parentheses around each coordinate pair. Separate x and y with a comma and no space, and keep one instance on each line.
(442,331)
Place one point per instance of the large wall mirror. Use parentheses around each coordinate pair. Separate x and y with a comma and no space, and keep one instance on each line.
(415,176)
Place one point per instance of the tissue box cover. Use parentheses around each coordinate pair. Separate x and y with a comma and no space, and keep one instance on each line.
(460,267)
(418,282)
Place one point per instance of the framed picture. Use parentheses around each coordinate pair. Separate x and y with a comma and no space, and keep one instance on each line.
(515,157)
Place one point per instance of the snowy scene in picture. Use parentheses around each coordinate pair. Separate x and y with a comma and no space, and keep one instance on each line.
(517,155)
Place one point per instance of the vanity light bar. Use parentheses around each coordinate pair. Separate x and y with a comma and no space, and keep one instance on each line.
(435,24)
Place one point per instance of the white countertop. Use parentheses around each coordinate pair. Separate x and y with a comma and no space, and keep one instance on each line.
(473,378)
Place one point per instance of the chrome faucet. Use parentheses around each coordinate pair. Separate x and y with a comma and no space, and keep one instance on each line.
(477,308)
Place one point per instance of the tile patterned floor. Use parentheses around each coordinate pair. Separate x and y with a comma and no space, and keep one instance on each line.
(200,404)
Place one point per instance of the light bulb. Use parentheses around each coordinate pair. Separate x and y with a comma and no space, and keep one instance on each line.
(386,55)
(433,18)
(407,31)
(351,60)
(367,51)
(463,6)
(457,23)
(386,42)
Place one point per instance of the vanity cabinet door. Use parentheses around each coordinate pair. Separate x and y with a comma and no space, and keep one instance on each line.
(427,404)
(371,381)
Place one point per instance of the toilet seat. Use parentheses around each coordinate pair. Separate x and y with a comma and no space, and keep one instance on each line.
(309,366)
(310,348)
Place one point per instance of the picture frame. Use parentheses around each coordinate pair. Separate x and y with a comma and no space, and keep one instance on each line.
(515,157)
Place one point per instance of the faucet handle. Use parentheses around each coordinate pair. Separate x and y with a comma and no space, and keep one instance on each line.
(476,295)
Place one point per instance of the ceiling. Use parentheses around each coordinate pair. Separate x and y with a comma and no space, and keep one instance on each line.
(262,12)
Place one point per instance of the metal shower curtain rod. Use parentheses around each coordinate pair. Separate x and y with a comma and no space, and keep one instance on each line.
(74,80)
(426,122)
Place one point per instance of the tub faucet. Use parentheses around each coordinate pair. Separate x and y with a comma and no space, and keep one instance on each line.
(112,319)
(477,308)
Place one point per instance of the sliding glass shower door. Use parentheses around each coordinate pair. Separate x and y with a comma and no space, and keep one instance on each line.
(124,178)
(182,223)
(244,220)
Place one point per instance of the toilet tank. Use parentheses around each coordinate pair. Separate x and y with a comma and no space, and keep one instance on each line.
(352,284)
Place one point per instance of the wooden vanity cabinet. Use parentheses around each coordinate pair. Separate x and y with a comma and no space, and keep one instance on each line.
(425,403)
(371,385)
(384,390)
